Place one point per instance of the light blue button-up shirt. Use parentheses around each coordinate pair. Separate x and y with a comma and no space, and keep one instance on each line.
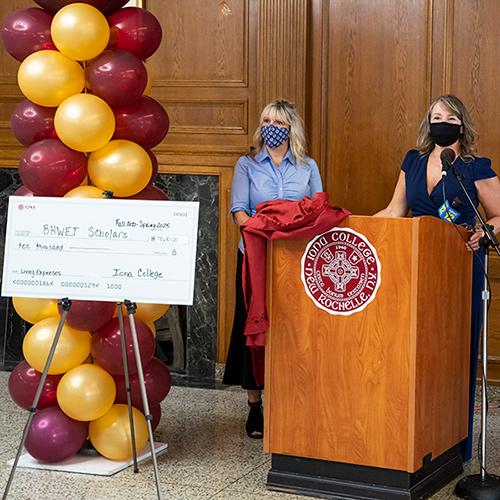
(258,179)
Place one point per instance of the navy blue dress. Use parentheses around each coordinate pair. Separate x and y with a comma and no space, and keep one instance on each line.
(459,211)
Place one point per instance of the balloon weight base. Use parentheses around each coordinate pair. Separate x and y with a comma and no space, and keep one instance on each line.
(83,464)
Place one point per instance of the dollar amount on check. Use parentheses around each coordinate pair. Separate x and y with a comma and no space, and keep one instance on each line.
(111,250)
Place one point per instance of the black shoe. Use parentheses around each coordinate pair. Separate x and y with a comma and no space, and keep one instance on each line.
(255,420)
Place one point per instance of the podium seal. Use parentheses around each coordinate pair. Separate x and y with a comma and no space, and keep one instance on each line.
(341,271)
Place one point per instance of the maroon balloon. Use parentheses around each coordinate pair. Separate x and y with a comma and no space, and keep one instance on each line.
(23,383)
(23,191)
(32,123)
(154,164)
(117,76)
(157,380)
(53,436)
(144,121)
(105,6)
(49,168)
(89,315)
(149,193)
(25,31)
(156,414)
(135,30)
(106,346)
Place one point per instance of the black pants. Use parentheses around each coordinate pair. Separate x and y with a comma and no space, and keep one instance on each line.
(239,367)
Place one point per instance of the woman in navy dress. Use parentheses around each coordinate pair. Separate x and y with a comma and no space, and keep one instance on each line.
(447,124)
(276,168)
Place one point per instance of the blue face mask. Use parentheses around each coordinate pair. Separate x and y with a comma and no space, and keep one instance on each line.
(273,136)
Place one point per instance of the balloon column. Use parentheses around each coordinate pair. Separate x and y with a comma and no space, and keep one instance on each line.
(87,127)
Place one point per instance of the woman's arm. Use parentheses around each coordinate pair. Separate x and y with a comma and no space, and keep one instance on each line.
(315,183)
(240,193)
(398,207)
(488,191)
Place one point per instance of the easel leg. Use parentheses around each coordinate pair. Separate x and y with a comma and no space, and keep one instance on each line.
(127,385)
(66,305)
(131,307)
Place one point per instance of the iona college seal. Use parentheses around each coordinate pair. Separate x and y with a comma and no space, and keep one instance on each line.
(341,271)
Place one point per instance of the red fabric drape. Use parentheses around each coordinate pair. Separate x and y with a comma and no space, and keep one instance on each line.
(276,219)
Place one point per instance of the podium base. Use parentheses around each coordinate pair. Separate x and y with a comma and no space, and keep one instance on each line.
(474,487)
(306,476)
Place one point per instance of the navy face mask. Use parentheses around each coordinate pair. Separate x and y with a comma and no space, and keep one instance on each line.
(444,133)
(273,136)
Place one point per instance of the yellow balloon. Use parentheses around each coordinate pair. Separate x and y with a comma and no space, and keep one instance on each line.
(151,312)
(84,122)
(80,31)
(147,313)
(122,167)
(110,434)
(34,310)
(86,392)
(47,77)
(72,349)
(85,192)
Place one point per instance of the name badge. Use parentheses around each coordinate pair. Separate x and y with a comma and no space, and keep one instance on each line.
(447,212)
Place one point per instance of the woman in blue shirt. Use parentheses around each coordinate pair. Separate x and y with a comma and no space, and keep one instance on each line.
(447,124)
(276,168)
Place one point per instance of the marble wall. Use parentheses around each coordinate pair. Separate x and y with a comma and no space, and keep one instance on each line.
(12,327)
(199,320)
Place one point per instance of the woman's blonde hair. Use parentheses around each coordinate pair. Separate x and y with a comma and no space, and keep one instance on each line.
(286,112)
(468,139)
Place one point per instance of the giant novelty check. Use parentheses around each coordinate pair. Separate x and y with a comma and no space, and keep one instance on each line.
(92,249)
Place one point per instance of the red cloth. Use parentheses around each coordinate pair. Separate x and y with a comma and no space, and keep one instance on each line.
(276,219)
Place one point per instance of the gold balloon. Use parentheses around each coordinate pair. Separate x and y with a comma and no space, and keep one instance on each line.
(124,311)
(85,192)
(80,31)
(34,310)
(47,77)
(72,349)
(151,312)
(84,122)
(110,434)
(86,392)
(148,313)
(122,167)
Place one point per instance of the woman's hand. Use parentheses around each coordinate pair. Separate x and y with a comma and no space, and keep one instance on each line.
(473,243)
(240,217)
(398,207)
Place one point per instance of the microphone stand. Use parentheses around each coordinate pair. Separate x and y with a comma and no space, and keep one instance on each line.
(481,486)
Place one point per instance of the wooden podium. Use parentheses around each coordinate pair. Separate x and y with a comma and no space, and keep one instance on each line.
(373,404)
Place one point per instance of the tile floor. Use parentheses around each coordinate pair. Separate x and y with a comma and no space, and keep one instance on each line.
(209,455)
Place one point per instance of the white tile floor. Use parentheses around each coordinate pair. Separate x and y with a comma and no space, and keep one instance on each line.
(209,455)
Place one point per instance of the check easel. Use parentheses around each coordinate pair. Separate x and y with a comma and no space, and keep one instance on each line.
(131,236)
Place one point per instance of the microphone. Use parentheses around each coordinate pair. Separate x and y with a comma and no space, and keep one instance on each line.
(456,203)
(447,158)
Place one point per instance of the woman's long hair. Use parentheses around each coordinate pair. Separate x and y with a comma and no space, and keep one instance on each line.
(468,140)
(285,112)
